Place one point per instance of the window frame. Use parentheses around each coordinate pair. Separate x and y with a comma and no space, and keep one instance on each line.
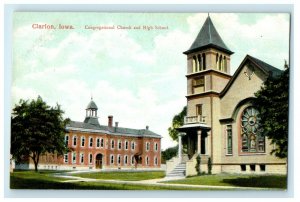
(111,159)
(66,158)
(90,158)
(229,129)
(67,137)
(82,138)
(91,141)
(148,146)
(125,160)
(119,144)
(74,158)
(74,140)
(133,145)
(112,144)
(82,158)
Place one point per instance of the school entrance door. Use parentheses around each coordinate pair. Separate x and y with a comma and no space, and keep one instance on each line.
(99,161)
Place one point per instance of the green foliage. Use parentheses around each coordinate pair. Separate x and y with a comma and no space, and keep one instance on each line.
(209,166)
(37,128)
(272,102)
(198,159)
(168,154)
(178,120)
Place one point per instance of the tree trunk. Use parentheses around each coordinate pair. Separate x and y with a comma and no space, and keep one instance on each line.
(35,159)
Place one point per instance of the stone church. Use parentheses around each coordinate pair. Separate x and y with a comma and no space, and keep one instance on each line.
(221,125)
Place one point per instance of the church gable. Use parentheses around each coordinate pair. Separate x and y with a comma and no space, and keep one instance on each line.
(247,80)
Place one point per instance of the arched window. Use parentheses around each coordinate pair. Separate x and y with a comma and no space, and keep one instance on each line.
(220,62)
(203,61)
(225,64)
(251,133)
(82,141)
(194,64)
(200,63)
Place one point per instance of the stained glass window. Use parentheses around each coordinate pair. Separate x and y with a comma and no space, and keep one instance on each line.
(251,134)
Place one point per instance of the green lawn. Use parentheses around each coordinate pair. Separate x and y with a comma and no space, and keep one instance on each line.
(263,181)
(44,180)
(128,176)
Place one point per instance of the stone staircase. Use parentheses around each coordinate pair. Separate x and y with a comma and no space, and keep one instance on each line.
(178,171)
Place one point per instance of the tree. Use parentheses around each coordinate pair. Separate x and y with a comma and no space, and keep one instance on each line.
(178,120)
(272,103)
(36,129)
(169,153)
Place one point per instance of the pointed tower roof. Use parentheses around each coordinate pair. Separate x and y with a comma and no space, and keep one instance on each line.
(208,37)
(92,105)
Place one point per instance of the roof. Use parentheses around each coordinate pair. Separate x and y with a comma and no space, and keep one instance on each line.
(208,37)
(91,120)
(273,71)
(269,70)
(92,105)
(118,131)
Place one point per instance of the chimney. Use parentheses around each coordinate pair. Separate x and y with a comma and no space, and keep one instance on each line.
(147,127)
(116,126)
(110,121)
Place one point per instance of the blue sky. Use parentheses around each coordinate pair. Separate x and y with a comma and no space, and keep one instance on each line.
(138,76)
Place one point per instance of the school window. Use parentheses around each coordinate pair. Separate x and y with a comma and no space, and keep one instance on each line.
(126,144)
(155,161)
(74,140)
(132,160)
(229,139)
(112,143)
(82,141)
(132,145)
(67,140)
(119,159)
(98,142)
(111,159)
(81,158)
(125,160)
(243,167)
(102,142)
(66,158)
(91,158)
(147,160)
(147,146)
(73,157)
(91,142)
(155,147)
(119,144)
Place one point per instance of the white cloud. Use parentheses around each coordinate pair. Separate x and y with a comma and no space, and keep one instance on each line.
(137,86)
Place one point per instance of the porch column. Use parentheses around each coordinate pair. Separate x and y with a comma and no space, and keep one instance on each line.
(180,146)
(199,141)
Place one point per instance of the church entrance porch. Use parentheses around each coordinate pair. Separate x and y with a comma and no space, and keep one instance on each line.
(99,159)
(193,140)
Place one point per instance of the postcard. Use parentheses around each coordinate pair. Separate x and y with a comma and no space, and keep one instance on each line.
(149,101)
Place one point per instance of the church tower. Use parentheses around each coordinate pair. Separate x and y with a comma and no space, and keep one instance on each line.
(91,113)
(208,70)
